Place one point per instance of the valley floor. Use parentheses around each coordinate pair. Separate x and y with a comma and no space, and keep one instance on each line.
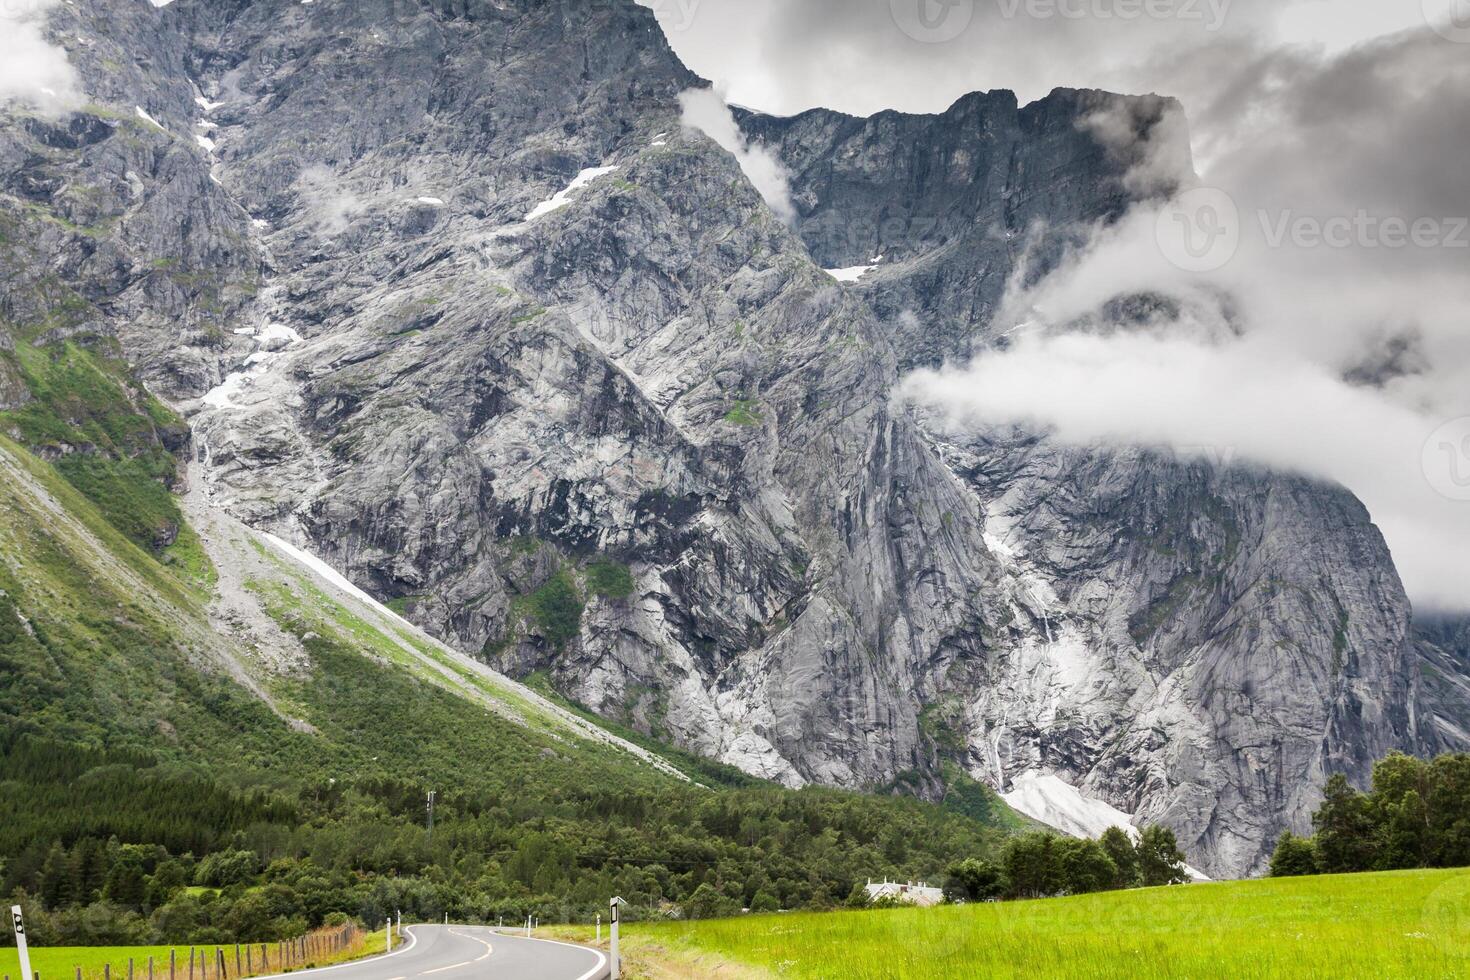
(1398,924)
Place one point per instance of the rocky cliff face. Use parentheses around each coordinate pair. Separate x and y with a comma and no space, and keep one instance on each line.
(1196,644)
(452,297)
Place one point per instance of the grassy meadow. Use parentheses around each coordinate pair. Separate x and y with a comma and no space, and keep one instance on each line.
(1410,924)
(62,962)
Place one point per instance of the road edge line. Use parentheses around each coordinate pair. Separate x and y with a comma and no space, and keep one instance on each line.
(414,941)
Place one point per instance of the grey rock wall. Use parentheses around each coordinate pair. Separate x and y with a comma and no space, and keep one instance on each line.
(644,444)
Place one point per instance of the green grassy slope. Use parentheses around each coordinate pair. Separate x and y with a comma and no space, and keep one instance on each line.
(1409,924)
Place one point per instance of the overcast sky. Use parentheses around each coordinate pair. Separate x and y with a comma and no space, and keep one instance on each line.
(1319,340)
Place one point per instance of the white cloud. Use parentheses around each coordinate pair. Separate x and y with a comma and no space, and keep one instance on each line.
(1243,400)
(1338,359)
(706,111)
(32,70)
(327,198)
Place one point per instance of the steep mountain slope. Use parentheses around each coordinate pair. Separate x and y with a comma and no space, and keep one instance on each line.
(1194,643)
(454,301)
(1443,645)
(268,708)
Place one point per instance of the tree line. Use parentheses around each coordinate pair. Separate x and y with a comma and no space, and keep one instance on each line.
(1416,815)
(1042,864)
(119,847)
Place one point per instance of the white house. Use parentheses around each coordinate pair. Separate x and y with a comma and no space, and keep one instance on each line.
(921,894)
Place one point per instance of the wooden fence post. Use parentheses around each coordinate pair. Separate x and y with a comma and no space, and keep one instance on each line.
(130,968)
(106,971)
(150,968)
(191,963)
(171,963)
(237,959)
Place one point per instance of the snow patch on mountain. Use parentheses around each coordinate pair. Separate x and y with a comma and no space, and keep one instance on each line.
(562,198)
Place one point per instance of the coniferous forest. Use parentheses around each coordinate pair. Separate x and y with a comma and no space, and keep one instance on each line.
(1417,815)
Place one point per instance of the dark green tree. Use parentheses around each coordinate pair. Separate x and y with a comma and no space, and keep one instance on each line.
(1124,855)
(1403,839)
(708,903)
(1085,866)
(126,884)
(1032,866)
(1160,862)
(1344,829)
(1294,856)
(974,880)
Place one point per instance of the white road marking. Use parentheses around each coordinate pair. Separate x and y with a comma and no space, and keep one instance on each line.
(413,941)
(441,969)
(601,959)
(488,948)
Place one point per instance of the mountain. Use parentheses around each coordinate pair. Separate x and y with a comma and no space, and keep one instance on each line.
(449,297)
(229,699)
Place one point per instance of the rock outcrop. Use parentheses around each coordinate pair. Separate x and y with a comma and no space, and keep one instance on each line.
(526,357)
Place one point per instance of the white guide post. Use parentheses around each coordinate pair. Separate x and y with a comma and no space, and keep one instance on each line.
(599,927)
(388,935)
(20,943)
(613,934)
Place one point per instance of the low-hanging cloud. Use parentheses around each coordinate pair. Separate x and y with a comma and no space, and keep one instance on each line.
(33,71)
(706,111)
(1244,401)
(1329,336)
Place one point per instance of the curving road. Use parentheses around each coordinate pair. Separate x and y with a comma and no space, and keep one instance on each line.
(465,952)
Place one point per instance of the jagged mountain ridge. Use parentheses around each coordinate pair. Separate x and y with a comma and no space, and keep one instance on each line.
(465,410)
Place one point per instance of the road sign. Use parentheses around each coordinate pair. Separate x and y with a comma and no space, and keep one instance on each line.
(20,942)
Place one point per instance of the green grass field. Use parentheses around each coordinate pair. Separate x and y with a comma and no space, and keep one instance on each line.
(1413,924)
(61,962)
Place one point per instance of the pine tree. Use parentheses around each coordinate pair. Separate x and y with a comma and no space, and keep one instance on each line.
(57,883)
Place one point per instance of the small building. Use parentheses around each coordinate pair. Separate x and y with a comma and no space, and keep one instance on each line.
(919,894)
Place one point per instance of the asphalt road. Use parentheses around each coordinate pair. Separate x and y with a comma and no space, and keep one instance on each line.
(464,952)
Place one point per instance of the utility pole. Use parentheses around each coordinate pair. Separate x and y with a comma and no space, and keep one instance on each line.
(431,816)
